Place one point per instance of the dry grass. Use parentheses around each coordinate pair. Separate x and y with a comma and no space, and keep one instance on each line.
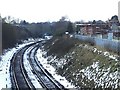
(59,46)
(80,59)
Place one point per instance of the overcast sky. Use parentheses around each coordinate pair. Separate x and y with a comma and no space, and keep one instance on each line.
(53,10)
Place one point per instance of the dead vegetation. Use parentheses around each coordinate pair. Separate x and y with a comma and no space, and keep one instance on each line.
(76,58)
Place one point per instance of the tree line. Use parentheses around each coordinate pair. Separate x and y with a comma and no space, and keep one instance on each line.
(14,32)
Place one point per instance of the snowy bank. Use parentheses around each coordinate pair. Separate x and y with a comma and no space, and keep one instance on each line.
(5,64)
(52,70)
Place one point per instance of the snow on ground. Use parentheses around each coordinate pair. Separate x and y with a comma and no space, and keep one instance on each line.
(102,77)
(28,68)
(51,70)
(106,76)
(105,53)
(5,65)
(48,37)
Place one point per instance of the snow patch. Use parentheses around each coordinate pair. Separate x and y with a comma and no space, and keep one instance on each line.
(52,70)
(28,68)
(102,77)
(5,81)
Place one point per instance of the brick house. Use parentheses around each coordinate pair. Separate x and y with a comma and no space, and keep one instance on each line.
(91,29)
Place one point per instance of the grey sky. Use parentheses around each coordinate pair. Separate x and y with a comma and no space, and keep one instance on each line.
(53,10)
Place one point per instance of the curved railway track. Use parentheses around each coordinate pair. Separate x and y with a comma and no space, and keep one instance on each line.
(19,77)
(45,78)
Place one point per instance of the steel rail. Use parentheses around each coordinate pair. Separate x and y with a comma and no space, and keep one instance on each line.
(54,84)
(18,73)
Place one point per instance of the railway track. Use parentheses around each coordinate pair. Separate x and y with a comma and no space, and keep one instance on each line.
(18,74)
(19,77)
(45,78)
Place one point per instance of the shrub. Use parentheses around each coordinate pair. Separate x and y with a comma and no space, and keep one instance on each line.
(60,45)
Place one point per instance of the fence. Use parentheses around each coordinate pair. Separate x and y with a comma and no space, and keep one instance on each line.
(106,43)
(0,35)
